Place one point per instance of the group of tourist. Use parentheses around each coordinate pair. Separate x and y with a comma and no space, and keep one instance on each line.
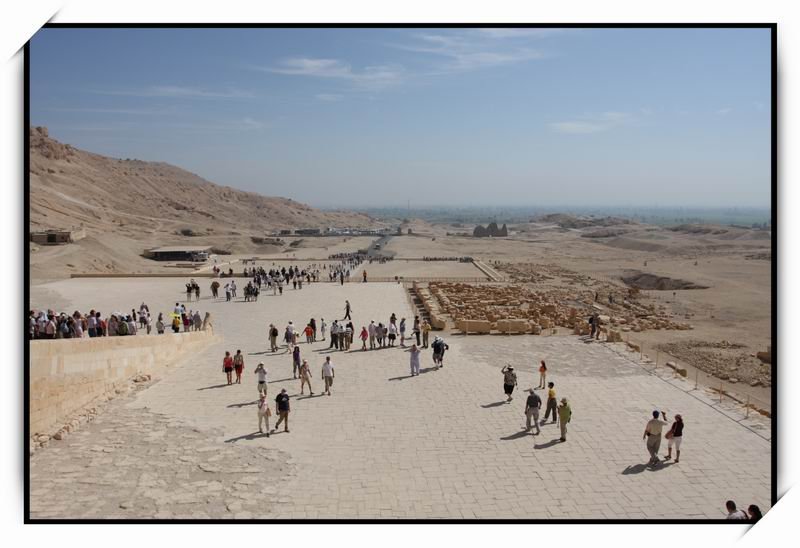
(752,515)
(49,325)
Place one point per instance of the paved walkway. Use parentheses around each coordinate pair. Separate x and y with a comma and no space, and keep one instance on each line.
(441,445)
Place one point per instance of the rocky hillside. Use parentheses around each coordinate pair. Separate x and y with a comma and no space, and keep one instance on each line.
(126,206)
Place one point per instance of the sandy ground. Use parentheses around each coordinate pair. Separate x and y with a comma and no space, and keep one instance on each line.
(443,444)
(424,269)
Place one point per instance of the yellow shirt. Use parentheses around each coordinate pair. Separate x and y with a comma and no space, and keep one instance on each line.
(551,394)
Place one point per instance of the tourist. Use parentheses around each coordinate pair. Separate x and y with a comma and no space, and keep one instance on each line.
(283,408)
(215,289)
(227,292)
(439,347)
(414,355)
(334,335)
(652,433)
(542,375)
(263,413)
(198,321)
(305,378)
(287,338)
(227,366)
(322,327)
(91,323)
(313,324)
(532,407)
(392,334)
(564,416)
(364,275)
(393,319)
(238,365)
(403,332)
(273,338)
(733,513)
(754,512)
(674,437)
(261,372)
(207,321)
(509,381)
(363,336)
(348,336)
(372,330)
(415,329)
(551,402)
(309,331)
(328,374)
(347,310)
(295,361)
(426,329)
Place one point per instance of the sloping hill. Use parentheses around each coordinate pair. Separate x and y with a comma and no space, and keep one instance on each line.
(128,205)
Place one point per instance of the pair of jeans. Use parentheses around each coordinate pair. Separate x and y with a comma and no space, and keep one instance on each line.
(551,406)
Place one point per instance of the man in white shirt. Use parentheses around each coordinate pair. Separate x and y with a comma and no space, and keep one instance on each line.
(372,329)
(733,513)
(261,371)
(328,374)
(652,433)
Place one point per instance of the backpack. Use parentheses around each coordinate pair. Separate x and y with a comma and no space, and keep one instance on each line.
(122,329)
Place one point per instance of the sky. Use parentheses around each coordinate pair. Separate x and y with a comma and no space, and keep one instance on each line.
(426,116)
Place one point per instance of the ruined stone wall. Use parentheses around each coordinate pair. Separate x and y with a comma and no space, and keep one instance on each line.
(67,375)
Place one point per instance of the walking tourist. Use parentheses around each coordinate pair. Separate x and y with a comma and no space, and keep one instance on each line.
(347,311)
(542,375)
(532,407)
(328,374)
(551,402)
(652,433)
(564,416)
(426,329)
(305,378)
(733,513)
(295,361)
(675,437)
(227,366)
(263,413)
(273,338)
(414,355)
(364,335)
(754,512)
(392,334)
(238,365)
(322,327)
(439,347)
(282,407)
(509,381)
(372,330)
(261,373)
(403,332)
(309,331)
(415,329)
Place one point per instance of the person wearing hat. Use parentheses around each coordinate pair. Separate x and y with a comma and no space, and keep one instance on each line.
(262,378)
(564,416)
(652,433)
(509,381)
(674,437)
(263,412)
(532,407)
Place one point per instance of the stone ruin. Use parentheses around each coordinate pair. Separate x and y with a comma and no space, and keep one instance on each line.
(517,309)
(490,230)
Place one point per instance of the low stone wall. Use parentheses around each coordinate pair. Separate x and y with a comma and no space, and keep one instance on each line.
(67,375)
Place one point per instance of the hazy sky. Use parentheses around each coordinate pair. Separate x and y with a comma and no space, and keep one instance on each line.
(377,117)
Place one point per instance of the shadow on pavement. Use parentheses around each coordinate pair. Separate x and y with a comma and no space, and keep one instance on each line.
(244,404)
(495,404)
(550,443)
(249,437)
(639,468)
(517,435)
(214,386)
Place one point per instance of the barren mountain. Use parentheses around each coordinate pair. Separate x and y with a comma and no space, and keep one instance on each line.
(126,206)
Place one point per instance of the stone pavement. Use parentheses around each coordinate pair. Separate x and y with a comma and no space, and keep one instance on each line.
(441,445)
